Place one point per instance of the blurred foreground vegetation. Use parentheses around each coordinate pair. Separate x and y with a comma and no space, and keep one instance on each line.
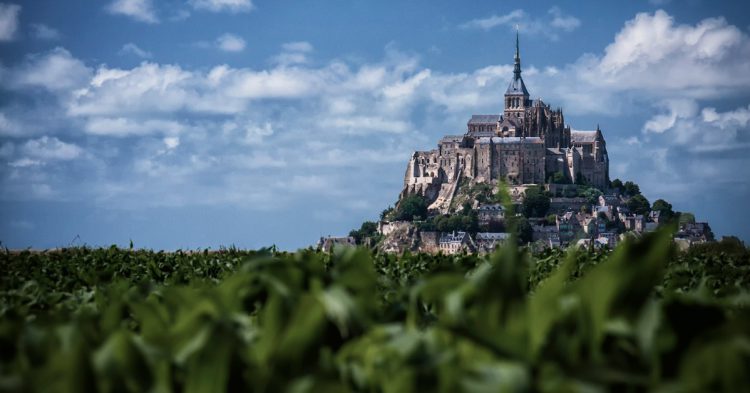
(640,318)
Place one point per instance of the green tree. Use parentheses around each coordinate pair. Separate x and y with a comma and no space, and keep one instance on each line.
(524,230)
(559,178)
(368,229)
(410,207)
(631,189)
(638,204)
(591,194)
(664,208)
(686,218)
(385,213)
(535,202)
(617,185)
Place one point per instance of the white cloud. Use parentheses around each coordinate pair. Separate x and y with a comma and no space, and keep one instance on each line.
(8,21)
(140,10)
(9,126)
(678,108)
(121,126)
(50,149)
(230,43)
(488,23)
(56,70)
(43,32)
(171,142)
(562,21)
(233,6)
(554,22)
(131,48)
(651,53)
(293,53)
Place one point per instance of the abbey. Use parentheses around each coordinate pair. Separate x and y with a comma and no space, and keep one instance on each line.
(528,144)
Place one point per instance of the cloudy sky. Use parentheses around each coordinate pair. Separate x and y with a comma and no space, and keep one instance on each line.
(201,123)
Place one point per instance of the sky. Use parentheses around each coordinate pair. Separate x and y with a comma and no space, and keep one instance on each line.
(186,124)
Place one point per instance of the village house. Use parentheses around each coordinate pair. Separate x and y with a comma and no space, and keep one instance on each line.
(608,239)
(609,200)
(695,232)
(567,227)
(487,214)
(488,241)
(454,242)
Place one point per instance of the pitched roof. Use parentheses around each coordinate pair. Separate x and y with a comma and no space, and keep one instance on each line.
(484,119)
(492,236)
(494,207)
(452,237)
(510,139)
(583,136)
(517,86)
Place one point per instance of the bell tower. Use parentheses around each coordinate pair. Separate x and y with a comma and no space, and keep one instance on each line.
(516,96)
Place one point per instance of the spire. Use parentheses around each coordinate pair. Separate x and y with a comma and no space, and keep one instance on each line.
(517,60)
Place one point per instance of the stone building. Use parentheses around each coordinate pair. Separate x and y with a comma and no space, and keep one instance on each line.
(455,242)
(527,144)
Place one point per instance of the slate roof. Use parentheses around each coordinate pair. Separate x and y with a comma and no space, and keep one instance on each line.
(517,86)
(490,236)
(452,237)
(510,139)
(484,119)
(452,138)
(583,136)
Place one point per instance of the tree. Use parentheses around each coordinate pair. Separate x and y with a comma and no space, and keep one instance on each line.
(385,213)
(524,230)
(664,208)
(591,194)
(559,178)
(535,202)
(638,204)
(368,229)
(686,218)
(631,189)
(617,185)
(410,207)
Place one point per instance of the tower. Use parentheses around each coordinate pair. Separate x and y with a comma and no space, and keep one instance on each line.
(516,96)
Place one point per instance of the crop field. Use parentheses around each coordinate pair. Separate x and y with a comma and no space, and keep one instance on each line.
(643,317)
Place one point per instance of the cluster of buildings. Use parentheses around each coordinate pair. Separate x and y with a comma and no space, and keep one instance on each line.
(601,225)
(526,144)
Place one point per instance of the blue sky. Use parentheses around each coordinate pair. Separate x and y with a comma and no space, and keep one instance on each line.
(202,123)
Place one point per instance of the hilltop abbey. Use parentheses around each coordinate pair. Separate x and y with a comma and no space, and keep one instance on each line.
(527,144)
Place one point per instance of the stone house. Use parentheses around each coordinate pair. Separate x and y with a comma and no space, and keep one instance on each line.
(488,241)
(490,213)
(567,227)
(454,242)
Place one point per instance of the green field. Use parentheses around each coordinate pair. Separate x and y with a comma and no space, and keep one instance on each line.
(640,318)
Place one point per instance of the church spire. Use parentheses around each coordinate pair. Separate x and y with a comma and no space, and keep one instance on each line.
(517,60)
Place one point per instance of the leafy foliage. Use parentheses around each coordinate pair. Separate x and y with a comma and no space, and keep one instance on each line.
(639,318)
(410,207)
(638,204)
(535,202)
(368,229)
